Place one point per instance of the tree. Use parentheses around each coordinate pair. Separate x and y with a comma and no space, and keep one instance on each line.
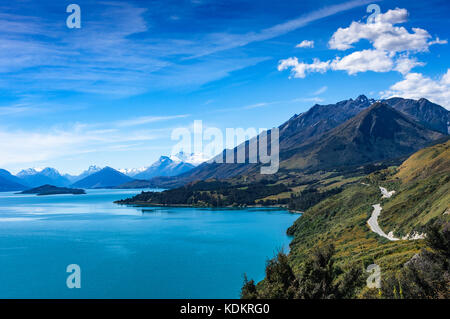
(280,281)
(426,274)
(319,278)
(351,281)
(248,290)
(316,281)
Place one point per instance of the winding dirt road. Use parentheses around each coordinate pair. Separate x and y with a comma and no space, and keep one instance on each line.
(373,220)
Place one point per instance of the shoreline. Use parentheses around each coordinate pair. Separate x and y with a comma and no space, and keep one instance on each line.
(146,204)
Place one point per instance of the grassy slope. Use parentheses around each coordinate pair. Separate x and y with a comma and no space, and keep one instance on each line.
(422,185)
(342,220)
(423,191)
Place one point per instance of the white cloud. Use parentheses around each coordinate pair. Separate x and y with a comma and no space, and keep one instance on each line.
(392,47)
(305,44)
(393,16)
(359,61)
(438,41)
(383,34)
(416,85)
(404,64)
(362,61)
(299,69)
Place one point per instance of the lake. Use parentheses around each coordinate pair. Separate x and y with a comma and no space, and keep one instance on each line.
(132,252)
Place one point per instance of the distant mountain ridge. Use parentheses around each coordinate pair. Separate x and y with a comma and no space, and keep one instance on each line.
(165,166)
(33,177)
(131,172)
(9,182)
(189,158)
(91,170)
(105,178)
(109,177)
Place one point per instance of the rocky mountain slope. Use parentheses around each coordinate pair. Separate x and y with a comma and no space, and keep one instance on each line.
(351,132)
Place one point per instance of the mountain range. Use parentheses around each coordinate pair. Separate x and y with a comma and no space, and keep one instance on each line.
(343,135)
(339,136)
(91,170)
(105,178)
(35,177)
(165,166)
(375,134)
(95,176)
(9,182)
(109,177)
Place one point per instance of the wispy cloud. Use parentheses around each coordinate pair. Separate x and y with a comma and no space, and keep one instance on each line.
(321,90)
(257,105)
(148,119)
(27,147)
(15,109)
(224,41)
(308,99)
(108,55)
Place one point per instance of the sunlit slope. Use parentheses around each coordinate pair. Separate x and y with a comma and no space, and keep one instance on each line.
(423,193)
(422,185)
(426,162)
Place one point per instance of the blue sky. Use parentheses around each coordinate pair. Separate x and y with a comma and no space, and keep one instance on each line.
(111,92)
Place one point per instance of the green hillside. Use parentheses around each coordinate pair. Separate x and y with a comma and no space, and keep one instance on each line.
(423,191)
(422,185)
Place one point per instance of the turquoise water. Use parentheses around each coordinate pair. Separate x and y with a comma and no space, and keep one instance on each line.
(131,252)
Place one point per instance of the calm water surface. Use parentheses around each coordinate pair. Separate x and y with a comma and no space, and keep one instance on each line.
(131,252)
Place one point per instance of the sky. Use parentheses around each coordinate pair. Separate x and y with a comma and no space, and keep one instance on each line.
(112,92)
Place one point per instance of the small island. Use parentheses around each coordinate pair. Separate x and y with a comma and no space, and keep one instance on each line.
(53,190)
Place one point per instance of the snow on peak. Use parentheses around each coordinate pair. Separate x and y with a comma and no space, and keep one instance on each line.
(37,170)
(192,158)
(93,169)
(132,171)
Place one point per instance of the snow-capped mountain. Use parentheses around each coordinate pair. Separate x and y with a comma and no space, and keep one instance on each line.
(132,171)
(105,178)
(34,177)
(30,171)
(91,170)
(165,166)
(192,158)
